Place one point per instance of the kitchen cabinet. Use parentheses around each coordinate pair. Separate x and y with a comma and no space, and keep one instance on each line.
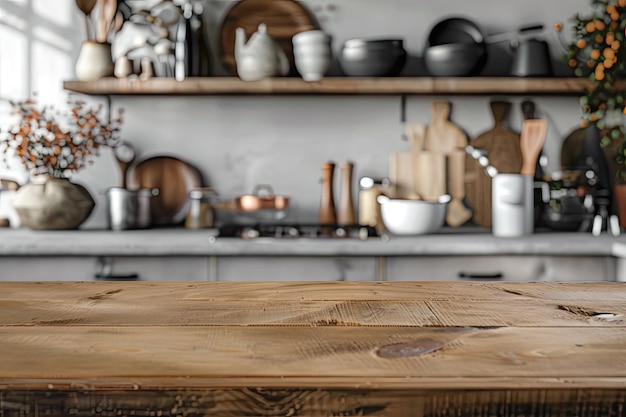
(503,267)
(88,268)
(301,268)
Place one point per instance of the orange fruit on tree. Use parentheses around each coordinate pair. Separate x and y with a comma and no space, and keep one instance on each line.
(614,16)
(591,63)
(581,43)
(613,25)
(590,27)
(599,38)
(610,8)
(608,63)
(558,26)
(595,54)
(621,3)
(610,37)
(571,62)
(584,123)
(608,53)
(599,24)
(615,45)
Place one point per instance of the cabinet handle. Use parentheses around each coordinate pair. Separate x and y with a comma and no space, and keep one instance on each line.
(493,276)
(104,271)
(122,277)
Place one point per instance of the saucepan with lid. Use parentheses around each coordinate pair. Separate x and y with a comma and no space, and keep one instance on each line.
(262,204)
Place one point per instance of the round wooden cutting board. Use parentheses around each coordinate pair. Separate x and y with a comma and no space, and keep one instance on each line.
(174,178)
(284,18)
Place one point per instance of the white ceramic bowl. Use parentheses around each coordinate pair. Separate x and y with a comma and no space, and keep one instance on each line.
(312,68)
(413,217)
(311,36)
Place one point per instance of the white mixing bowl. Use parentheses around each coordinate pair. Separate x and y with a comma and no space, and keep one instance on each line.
(413,217)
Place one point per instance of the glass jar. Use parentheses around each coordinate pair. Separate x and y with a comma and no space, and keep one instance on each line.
(201,214)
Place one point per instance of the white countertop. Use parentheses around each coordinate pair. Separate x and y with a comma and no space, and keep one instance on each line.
(182,242)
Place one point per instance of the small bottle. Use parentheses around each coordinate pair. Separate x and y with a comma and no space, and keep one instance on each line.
(201,214)
(369,208)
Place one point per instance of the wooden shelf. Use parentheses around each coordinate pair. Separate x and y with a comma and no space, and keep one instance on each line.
(329,86)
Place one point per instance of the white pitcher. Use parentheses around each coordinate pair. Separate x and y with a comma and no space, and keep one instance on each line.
(260,57)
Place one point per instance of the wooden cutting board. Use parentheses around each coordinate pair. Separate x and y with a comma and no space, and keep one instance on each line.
(444,141)
(174,178)
(284,18)
(504,153)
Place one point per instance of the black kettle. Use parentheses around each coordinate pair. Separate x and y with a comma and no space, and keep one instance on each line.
(532,56)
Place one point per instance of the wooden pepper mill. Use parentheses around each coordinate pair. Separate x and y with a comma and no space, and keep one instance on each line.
(327,202)
(346,215)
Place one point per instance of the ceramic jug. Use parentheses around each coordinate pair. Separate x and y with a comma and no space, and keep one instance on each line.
(260,57)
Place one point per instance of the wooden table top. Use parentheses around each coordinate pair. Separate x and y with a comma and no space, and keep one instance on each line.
(299,349)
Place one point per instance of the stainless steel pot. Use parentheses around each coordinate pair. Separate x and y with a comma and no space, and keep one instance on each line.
(129,209)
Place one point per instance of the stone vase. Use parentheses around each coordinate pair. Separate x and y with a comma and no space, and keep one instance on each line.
(94,61)
(53,204)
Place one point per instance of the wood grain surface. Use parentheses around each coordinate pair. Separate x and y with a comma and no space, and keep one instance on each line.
(330,85)
(312,349)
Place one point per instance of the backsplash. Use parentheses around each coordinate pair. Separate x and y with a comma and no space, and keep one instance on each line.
(238,142)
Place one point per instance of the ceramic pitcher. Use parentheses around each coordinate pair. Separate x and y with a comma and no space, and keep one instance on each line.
(259,57)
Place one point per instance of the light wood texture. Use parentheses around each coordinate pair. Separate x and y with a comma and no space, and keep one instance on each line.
(531,142)
(447,138)
(429,174)
(419,163)
(284,19)
(457,214)
(504,153)
(312,349)
(401,175)
(331,85)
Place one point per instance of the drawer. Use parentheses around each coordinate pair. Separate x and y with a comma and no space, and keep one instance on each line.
(74,268)
(253,268)
(505,268)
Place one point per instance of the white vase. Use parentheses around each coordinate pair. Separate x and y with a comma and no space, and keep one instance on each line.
(94,61)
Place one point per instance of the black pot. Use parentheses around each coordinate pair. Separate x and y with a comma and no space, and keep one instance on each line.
(456,47)
(372,57)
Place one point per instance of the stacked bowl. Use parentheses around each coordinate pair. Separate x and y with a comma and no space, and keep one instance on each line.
(312,54)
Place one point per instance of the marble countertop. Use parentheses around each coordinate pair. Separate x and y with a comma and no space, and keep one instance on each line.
(182,242)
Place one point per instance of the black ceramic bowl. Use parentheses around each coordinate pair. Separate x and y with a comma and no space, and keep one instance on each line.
(372,57)
(455,59)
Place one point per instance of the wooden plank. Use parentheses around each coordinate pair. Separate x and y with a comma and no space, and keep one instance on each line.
(428,349)
(254,401)
(365,354)
(164,292)
(336,85)
(122,311)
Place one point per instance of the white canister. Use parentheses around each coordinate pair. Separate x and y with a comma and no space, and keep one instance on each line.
(512,205)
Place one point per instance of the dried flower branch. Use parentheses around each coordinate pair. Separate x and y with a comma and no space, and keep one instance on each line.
(50,142)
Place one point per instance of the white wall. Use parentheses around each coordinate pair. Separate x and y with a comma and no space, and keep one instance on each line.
(238,142)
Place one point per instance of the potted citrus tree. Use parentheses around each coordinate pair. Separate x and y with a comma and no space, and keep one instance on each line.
(53,145)
(597,52)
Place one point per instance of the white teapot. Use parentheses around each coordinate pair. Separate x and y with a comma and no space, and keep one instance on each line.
(260,57)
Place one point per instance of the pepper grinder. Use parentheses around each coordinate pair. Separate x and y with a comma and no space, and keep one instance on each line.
(327,203)
(346,215)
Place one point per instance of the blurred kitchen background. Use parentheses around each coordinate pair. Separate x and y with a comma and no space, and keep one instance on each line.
(240,141)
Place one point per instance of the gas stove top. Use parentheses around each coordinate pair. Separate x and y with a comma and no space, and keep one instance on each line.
(292,231)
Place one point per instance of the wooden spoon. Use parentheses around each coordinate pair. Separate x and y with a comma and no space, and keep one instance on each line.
(86,6)
(531,142)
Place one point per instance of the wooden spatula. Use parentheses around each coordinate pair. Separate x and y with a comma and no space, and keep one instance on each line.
(531,142)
